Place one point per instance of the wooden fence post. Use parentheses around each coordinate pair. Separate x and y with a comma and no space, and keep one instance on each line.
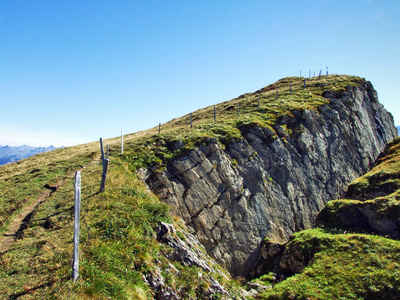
(276,97)
(215,115)
(300,73)
(191,120)
(104,175)
(159,128)
(102,150)
(304,86)
(77,209)
(319,77)
(326,72)
(108,150)
(258,102)
(290,89)
(122,143)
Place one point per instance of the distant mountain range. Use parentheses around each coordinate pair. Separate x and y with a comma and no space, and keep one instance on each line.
(11,154)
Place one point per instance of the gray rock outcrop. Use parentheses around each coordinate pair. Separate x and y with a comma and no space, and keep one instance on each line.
(374,217)
(273,181)
(185,249)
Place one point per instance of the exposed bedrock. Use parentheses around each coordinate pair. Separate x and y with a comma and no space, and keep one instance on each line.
(273,182)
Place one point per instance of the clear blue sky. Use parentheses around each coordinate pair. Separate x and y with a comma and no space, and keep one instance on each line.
(74,71)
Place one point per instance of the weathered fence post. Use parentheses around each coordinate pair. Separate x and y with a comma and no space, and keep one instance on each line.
(104,175)
(276,97)
(102,150)
(304,86)
(319,77)
(77,210)
(159,128)
(300,73)
(122,143)
(258,102)
(108,150)
(326,72)
(290,89)
(215,115)
(191,120)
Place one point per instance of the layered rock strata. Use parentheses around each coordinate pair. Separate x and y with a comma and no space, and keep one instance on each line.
(190,253)
(273,181)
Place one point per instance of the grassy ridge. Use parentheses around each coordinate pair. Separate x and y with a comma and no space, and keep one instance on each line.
(384,178)
(22,182)
(158,149)
(344,266)
(118,243)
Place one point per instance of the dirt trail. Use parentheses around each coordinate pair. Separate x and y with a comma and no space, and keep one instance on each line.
(19,224)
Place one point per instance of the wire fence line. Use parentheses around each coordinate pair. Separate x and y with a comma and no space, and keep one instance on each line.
(188,120)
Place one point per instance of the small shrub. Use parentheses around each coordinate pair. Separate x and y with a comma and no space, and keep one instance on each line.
(234,162)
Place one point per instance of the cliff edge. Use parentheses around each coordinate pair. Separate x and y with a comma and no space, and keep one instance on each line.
(273,180)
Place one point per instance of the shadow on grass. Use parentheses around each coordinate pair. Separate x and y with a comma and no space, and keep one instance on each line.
(31,290)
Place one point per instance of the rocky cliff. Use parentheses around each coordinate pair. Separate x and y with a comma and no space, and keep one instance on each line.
(371,203)
(356,235)
(274,180)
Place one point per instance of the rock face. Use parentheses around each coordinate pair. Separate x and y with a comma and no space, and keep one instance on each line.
(374,217)
(273,181)
(189,253)
(283,259)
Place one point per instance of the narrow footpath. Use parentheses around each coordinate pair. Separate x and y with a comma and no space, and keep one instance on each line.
(19,224)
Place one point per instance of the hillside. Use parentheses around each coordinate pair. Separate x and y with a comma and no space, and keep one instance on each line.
(229,168)
(122,256)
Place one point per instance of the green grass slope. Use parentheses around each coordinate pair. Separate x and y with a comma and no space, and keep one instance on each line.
(22,182)
(117,244)
(342,266)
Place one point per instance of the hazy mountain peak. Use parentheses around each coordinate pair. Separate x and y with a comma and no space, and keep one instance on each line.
(10,154)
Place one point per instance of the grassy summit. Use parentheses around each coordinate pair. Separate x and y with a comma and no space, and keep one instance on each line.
(262,108)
